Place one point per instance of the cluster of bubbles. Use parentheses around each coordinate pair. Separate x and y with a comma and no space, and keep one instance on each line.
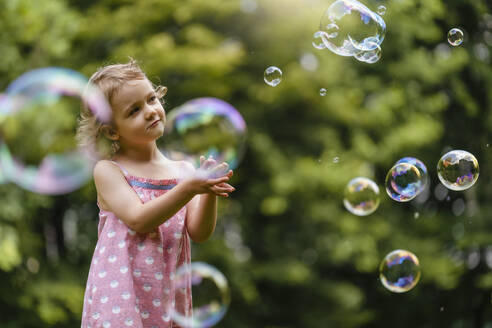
(457,170)
(399,271)
(42,161)
(211,295)
(349,28)
(455,37)
(272,76)
(204,126)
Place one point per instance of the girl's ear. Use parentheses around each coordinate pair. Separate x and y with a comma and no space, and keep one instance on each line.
(110,132)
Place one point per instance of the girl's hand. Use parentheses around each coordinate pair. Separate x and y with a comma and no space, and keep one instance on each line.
(211,178)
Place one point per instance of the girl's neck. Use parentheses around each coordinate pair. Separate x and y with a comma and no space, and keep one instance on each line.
(147,153)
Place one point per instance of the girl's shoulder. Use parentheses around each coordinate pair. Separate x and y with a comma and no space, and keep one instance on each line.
(106,166)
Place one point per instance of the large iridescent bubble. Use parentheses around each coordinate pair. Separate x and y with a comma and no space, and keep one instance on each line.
(422,169)
(38,117)
(403,182)
(399,271)
(211,295)
(350,27)
(458,170)
(361,196)
(205,126)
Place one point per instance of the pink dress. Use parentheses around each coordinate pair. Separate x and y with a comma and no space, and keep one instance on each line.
(131,278)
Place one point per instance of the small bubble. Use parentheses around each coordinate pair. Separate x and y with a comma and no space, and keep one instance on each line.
(272,76)
(441,309)
(336,159)
(416,215)
(322,92)
(455,37)
(381,10)
(318,41)
(487,145)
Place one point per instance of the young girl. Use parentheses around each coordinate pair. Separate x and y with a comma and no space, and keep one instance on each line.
(150,207)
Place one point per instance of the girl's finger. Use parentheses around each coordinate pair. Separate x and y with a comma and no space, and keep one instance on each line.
(220,170)
(218,180)
(222,189)
(226,185)
(208,163)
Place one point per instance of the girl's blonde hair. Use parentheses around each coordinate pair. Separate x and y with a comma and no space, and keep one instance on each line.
(109,79)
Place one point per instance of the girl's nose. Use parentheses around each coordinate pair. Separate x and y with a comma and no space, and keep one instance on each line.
(150,111)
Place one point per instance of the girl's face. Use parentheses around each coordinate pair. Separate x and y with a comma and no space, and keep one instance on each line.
(138,114)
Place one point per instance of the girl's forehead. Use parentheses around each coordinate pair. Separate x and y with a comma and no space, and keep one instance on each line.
(130,92)
(136,85)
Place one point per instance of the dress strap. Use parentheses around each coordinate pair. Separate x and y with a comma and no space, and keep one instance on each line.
(125,172)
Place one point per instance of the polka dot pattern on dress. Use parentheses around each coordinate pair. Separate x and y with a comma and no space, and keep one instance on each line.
(130,281)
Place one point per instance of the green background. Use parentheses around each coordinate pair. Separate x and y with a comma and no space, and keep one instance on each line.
(294,257)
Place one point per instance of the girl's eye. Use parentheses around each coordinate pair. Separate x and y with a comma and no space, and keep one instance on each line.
(133,111)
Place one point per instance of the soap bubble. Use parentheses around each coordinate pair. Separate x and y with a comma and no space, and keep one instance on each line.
(455,37)
(211,295)
(38,116)
(318,41)
(350,27)
(204,126)
(458,170)
(272,76)
(422,168)
(361,196)
(403,182)
(381,10)
(399,271)
(322,92)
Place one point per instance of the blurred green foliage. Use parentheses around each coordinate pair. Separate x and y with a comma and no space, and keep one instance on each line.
(293,255)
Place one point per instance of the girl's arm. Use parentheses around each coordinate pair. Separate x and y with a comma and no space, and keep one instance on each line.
(122,200)
(202,211)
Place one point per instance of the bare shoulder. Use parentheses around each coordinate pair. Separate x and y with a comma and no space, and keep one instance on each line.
(104,166)
(105,172)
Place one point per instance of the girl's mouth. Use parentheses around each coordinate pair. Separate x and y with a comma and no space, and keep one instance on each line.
(154,123)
